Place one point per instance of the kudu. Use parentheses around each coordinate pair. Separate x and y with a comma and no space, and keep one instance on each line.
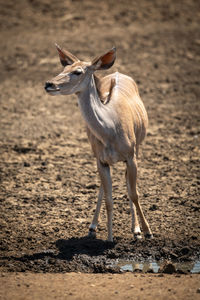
(116,122)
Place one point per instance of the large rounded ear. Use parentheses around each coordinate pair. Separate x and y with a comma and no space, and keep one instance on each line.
(105,61)
(66,58)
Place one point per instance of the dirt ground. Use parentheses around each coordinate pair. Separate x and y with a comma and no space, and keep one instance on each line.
(99,286)
(48,177)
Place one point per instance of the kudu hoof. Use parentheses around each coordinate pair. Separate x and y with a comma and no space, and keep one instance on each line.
(137,236)
(92,234)
(148,236)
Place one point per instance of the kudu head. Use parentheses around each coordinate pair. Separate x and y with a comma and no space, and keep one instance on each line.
(76,74)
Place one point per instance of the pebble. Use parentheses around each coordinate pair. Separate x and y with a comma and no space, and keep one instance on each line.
(169,268)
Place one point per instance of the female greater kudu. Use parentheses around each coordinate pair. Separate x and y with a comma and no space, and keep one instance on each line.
(116,122)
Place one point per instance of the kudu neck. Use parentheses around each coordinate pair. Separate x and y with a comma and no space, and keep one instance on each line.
(97,116)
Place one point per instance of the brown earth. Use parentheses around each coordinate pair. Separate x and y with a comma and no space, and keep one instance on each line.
(99,286)
(48,179)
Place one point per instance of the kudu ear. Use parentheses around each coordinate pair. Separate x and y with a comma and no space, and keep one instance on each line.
(105,61)
(66,58)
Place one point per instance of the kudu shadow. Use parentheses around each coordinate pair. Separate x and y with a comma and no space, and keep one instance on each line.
(75,246)
(67,249)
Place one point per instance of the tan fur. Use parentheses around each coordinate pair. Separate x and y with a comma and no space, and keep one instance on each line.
(133,120)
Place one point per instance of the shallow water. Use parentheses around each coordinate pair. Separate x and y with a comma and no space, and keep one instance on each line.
(192,267)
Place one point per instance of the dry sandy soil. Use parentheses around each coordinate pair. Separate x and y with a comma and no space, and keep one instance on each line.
(99,286)
(48,177)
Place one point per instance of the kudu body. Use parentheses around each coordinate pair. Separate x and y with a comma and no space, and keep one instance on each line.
(116,122)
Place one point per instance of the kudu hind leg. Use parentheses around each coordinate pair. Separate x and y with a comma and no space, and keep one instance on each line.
(133,194)
(135,224)
(93,225)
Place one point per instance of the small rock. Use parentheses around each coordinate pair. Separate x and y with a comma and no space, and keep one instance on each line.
(51,198)
(168,268)
(198,291)
(173,255)
(189,55)
(180,271)
(153,207)
(56,229)
(185,250)
(58,178)
(150,270)
(91,186)
(138,271)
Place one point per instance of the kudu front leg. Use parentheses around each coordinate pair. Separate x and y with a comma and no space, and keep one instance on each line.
(131,177)
(93,225)
(104,172)
(135,223)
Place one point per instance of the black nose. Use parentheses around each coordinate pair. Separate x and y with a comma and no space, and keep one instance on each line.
(48,85)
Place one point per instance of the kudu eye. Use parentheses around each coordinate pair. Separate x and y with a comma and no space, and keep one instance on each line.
(77,72)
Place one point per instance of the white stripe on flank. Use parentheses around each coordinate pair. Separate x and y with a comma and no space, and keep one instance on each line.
(116,79)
